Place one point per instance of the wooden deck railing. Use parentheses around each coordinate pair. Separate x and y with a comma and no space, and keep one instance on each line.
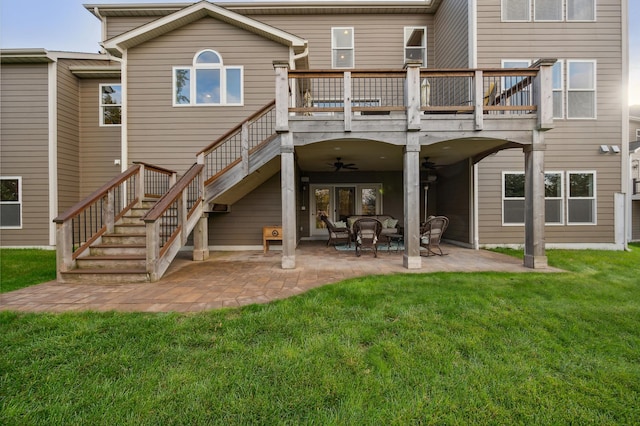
(235,146)
(88,220)
(172,219)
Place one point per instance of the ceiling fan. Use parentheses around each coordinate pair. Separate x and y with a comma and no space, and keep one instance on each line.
(429,165)
(338,164)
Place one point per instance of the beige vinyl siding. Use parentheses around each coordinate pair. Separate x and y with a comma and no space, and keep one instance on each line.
(452,35)
(243,225)
(68,136)
(378,39)
(24,145)
(171,136)
(117,25)
(100,145)
(573,145)
(453,195)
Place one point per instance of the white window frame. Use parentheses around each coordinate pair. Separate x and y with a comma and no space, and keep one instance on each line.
(561,198)
(581,20)
(637,134)
(562,10)
(334,48)
(560,90)
(19,202)
(594,197)
(103,106)
(594,89)
(423,47)
(503,10)
(193,90)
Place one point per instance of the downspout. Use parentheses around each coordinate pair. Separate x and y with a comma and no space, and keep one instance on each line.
(53,148)
(625,162)
(473,63)
(124,141)
(103,26)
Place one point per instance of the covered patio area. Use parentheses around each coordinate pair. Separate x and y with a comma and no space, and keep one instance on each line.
(231,279)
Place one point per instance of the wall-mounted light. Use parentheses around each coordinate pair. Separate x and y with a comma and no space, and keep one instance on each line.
(615,149)
(604,149)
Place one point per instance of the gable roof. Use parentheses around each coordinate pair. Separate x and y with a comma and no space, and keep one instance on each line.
(192,13)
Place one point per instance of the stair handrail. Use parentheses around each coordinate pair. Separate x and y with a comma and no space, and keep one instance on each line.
(85,222)
(248,135)
(170,221)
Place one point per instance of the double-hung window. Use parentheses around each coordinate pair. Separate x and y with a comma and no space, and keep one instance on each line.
(10,202)
(208,82)
(547,10)
(513,199)
(110,104)
(342,47)
(581,89)
(415,44)
(581,202)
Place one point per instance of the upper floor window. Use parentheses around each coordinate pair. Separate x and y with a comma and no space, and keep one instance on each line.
(581,89)
(516,10)
(208,82)
(10,202)
(415,44)
(549,10)
(110,104)
(558,90)
(581,10)
(342,47)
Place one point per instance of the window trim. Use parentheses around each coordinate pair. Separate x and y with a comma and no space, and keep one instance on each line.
(404,52)
(637,134)
(562,12)
(504,173)
(503,11)
(193,90)
(19,202)
(595,11)
(103,106)
(594,197)
(594,89)
(352,48)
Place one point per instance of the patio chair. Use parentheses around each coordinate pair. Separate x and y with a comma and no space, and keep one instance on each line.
(431,233)
(366,232)
(337,234)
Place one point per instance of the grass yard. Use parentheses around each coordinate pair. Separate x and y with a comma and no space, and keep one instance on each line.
(24,267)
(443,348)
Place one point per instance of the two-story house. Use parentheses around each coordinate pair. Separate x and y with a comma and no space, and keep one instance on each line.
(506,116)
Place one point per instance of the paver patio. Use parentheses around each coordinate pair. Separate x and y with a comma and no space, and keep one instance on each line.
(242,278)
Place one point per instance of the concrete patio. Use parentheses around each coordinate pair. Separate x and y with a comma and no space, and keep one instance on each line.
(229,279)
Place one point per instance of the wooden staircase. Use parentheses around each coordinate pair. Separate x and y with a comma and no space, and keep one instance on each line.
(120,256)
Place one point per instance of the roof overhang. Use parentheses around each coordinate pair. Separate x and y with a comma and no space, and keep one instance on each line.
(634,146)
(111,71)
(117,45)
(35,56)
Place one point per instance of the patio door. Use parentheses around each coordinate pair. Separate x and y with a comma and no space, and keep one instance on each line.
(339,201)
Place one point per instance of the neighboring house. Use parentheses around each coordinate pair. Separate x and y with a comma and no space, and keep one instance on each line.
(416,95)
(634,151)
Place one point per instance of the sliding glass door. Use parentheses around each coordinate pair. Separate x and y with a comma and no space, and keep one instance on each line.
(339,201)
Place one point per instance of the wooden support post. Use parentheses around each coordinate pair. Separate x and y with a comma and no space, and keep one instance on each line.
(201,239)
(282,96)
(413,94)
(288,188)
(534,204)
(153,249)
(411,258)
(109,214)
(64,247)
(543,92)
(183,217)
(478,100)
(347,101)
(140,189)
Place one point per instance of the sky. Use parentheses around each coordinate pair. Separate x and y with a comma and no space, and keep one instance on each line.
(67,26)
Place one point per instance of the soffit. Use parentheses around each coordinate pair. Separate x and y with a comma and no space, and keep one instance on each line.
(25,56)
(96,71)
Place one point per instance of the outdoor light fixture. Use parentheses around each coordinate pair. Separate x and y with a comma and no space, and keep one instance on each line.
(604,149)
(615,149)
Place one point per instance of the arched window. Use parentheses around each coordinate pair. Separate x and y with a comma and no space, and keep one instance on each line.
(208,82)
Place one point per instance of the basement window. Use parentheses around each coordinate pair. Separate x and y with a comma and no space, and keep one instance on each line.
(10,202)
(208,82)
(513,199)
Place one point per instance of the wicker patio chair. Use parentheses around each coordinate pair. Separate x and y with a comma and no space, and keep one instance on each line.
(431,233)
(366,232)
(336,234)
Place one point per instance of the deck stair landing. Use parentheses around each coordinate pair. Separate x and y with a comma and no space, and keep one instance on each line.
(120,256)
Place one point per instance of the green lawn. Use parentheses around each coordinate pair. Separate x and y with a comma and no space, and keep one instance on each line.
(24,267)
(444,348)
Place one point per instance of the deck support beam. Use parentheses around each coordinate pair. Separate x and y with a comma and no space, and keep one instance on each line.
(534,218)
(288,189)
(411,258)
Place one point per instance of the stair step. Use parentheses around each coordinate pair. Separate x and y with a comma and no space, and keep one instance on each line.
(101,276)
(124,239)
(118,249)
(130,220)
(112,262)
(127,228)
